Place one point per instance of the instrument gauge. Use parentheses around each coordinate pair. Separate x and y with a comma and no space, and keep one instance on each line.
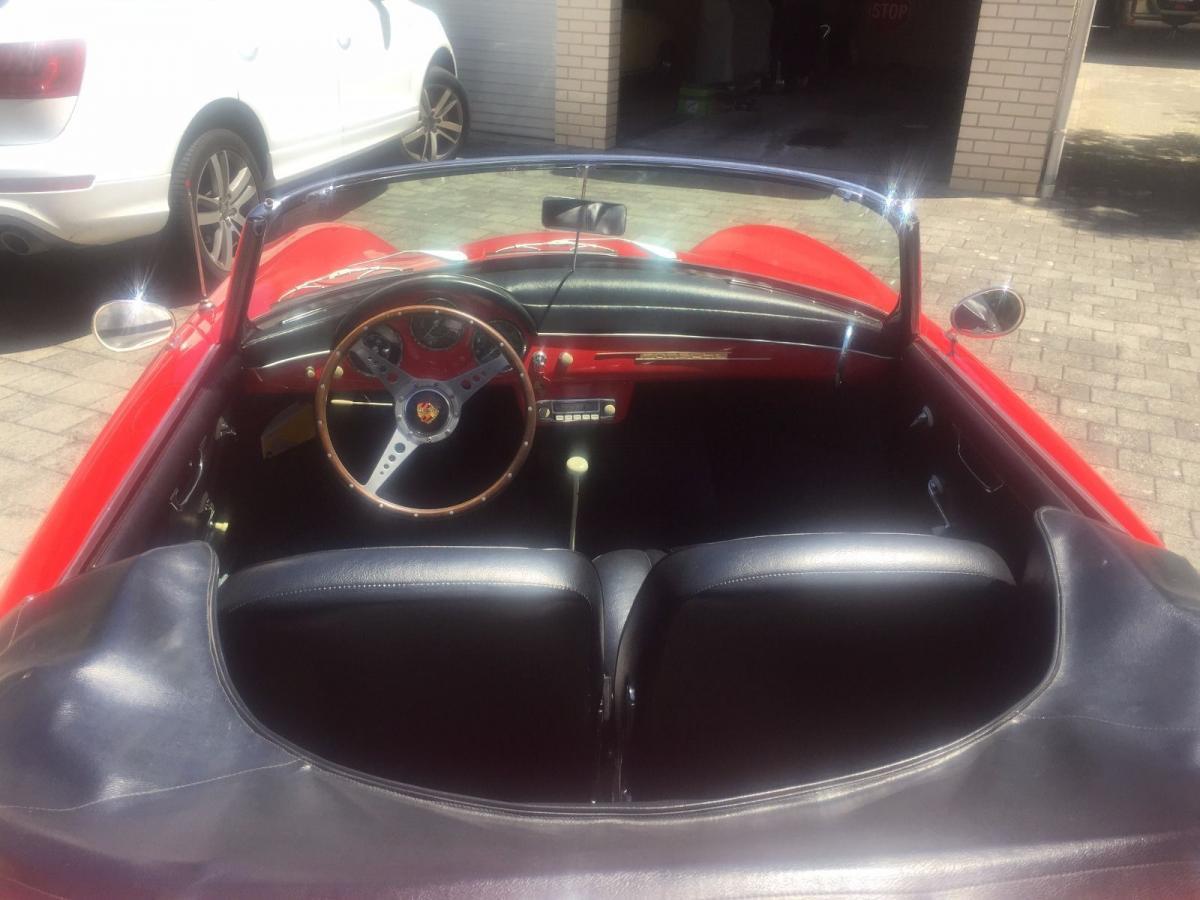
(483,347)
(436,332)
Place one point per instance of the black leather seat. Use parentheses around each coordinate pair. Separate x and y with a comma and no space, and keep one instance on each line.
(465,669)
(621,575)
(773,661)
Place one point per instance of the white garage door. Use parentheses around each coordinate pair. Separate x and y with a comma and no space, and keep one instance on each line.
(505,54)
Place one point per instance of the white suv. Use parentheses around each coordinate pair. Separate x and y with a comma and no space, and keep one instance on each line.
(114,113)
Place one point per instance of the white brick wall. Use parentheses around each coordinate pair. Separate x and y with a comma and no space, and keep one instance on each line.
(587,71)
(1016,76)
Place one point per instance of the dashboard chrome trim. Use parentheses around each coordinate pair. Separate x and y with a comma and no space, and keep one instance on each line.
(290,359)
(697,337)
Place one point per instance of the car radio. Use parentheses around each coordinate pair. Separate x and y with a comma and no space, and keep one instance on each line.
(573,411)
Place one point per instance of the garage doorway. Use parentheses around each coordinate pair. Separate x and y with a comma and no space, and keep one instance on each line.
(867,89)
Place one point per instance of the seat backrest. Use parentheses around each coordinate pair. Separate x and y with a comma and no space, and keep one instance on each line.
(767,662)
(470,670)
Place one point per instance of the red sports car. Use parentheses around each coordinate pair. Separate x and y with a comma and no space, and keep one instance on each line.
(571,525)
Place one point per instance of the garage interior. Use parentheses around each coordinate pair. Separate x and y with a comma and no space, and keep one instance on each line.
(867,88)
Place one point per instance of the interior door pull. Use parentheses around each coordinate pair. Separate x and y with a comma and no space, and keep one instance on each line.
(344,42)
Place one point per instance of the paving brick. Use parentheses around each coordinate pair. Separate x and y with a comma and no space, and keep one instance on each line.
(35,493)
(1175,448)
(62,460)
(18,404)
(1149,464)
(1119,437)
(8,562)
(25,444)
(1177,493)
(1146,422)
(1143,387)
(112,372)
(87,393)
(16,528)
(1131,484)
(43,382)
(1090,412)
(1168,519)
(57,417)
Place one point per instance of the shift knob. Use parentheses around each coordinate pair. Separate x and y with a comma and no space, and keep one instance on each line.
(577,466)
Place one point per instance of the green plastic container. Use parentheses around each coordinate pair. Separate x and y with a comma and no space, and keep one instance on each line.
(697,101)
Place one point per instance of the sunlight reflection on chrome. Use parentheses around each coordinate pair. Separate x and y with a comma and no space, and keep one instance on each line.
(136,284)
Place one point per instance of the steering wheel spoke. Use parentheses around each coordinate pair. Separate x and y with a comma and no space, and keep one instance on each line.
(397,452)
(465,386)
(394,379)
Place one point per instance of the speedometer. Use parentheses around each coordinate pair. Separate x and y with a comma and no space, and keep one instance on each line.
(437,332)
(482,346)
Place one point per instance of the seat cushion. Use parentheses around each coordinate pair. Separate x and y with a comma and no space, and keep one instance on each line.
(621,575)
(765,662)
(473,670)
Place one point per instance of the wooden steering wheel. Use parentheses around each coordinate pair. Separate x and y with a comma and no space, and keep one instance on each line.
(426,411)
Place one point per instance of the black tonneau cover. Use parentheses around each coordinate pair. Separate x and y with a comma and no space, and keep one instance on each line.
(127,769)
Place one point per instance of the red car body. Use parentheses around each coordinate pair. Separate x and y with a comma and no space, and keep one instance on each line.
(125,450)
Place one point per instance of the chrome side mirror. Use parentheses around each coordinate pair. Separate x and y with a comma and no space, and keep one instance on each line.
(992,313)
(124,325)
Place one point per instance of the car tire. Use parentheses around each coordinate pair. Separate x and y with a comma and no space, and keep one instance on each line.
(444,118)
(219,179)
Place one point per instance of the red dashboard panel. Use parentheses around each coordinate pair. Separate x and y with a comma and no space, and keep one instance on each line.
(605,366)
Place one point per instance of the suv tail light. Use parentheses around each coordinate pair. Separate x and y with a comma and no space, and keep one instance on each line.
(41,70)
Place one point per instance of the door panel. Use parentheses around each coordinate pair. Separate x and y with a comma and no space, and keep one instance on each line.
(382,53)
(287,72)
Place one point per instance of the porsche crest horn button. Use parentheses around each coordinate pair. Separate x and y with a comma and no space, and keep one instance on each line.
(426,412)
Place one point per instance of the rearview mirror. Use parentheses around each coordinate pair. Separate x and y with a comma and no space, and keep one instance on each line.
(592,216)
(124,325)
(992,313)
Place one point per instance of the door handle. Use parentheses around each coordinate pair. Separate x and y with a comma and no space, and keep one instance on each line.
(344,42)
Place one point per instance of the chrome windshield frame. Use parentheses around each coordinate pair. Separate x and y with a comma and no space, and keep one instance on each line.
(902,322)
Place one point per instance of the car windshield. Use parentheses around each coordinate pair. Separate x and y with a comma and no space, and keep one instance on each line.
(766,226)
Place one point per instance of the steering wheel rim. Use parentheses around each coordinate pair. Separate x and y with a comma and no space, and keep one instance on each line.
(404,392)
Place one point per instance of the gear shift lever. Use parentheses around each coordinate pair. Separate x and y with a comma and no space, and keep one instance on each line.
(577,467)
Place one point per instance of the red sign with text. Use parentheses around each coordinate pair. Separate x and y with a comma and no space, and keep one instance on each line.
(886,13)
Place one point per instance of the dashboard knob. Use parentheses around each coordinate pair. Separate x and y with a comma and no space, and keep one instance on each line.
(538,361)
(565,359)
(610,409)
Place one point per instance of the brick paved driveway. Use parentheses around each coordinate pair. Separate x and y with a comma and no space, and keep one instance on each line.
(1109,352)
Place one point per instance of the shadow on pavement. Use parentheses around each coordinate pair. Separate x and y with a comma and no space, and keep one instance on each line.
(49,298)
(1132,184)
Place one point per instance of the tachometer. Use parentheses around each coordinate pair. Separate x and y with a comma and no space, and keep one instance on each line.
(434,332)
(483,346)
